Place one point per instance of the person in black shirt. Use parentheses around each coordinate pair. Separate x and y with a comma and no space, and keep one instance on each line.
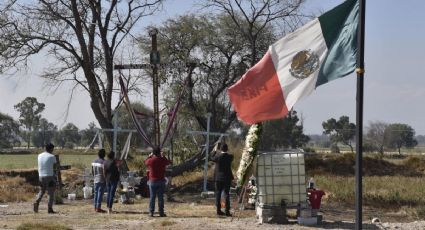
(223,177)
(112,176)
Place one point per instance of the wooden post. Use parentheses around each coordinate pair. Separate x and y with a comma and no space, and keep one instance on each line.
(58,192)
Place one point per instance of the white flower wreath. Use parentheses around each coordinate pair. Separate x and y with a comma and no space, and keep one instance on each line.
(249,153)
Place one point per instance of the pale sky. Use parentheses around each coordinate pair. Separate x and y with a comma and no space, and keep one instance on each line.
(394,80)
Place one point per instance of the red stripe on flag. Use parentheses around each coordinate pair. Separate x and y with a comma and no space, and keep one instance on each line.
(258,96)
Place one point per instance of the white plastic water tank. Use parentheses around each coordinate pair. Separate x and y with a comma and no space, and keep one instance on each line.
(87,192)
(281,176)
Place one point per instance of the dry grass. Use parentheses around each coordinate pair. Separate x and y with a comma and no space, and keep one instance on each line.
(415,162)
(378,191)
(191,177)
(165,223)
(15,189)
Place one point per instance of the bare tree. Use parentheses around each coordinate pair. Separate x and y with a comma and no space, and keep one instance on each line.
(376,135)
(82,36)
(252,17)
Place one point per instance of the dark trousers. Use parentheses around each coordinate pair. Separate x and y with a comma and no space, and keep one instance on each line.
(111,187)
(47,183)
(222,187)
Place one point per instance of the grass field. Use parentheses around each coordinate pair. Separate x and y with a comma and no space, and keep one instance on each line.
(27,161)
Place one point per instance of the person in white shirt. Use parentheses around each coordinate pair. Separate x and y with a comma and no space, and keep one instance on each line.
(99,180)
(46,175)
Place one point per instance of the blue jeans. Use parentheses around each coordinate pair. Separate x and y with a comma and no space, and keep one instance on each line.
(111,187)
(156,188)
(98,194)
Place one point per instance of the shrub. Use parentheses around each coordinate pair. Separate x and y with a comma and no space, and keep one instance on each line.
(415,162)
(69,145)
(14,189)
(42,226)
(334,148)
(309,150)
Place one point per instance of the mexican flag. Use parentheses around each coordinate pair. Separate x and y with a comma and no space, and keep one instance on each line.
(322,50)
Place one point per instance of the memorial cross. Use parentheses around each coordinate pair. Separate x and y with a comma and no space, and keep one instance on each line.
(207,144)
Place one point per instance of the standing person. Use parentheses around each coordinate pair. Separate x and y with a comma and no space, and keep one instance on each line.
(46,175)
(112,176)
(99,180)
(156,163)
(223,177)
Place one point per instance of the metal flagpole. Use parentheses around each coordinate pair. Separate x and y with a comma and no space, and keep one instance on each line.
(359,113)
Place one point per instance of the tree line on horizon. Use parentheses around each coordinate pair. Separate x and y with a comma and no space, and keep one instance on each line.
(286,133)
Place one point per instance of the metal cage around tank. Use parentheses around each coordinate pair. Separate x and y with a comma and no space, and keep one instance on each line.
(281,177)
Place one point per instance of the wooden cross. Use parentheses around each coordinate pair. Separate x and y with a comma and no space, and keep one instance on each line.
(155,64)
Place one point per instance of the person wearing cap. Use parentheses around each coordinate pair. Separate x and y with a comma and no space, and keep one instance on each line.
(46,165)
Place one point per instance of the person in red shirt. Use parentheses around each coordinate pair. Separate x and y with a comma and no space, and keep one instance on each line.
(156,163)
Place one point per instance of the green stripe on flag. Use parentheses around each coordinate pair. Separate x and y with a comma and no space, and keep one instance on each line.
(339,28)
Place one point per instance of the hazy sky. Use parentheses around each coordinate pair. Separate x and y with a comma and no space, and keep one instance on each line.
(394,79)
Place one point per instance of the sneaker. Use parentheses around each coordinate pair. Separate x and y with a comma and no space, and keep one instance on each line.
(220,213)
(151,214)
(35,207)
(162,215)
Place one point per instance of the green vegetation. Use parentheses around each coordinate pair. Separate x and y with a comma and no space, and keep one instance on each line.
(283,133)
(42,226)
(30,113)
(341,131)
(15,161)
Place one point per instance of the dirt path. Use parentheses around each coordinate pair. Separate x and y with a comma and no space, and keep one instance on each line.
(181,215)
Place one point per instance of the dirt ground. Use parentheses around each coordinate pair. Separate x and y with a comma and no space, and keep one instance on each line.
(190,212)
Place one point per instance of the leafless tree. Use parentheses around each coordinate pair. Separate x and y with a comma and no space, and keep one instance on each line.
(252,17)
(81,36)
(376,135)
